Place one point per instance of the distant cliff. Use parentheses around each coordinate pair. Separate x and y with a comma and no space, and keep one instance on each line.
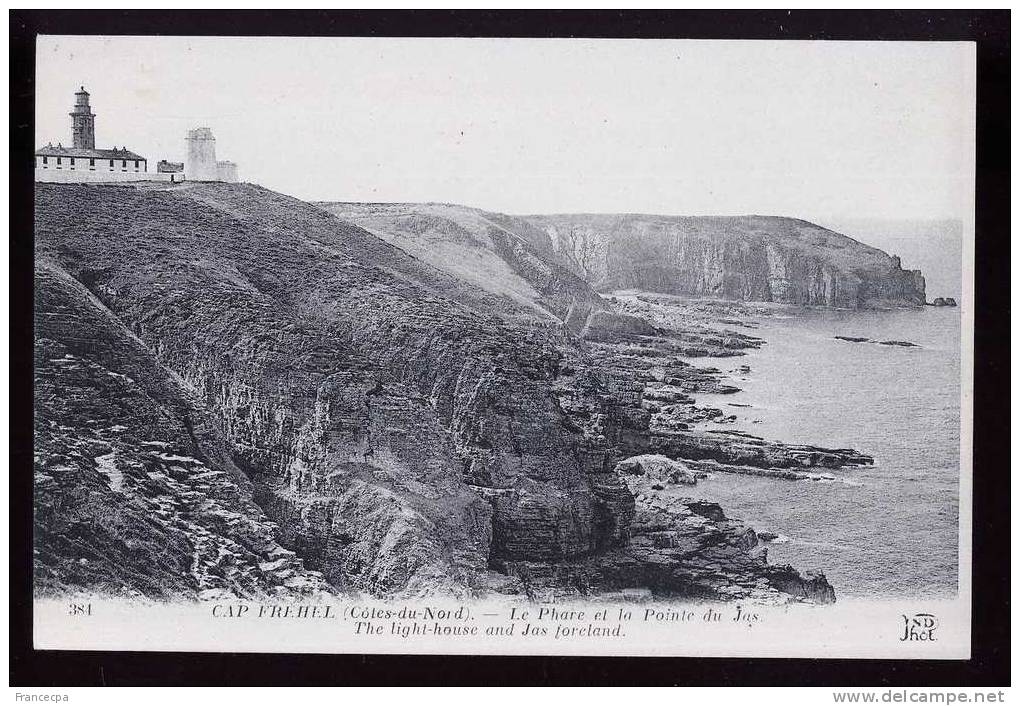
(548,261)
(750,258)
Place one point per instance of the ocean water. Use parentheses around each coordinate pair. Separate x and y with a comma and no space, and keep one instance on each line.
(889,529)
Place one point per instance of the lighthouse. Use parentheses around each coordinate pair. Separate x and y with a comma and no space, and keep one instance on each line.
(82,161)
(83,122)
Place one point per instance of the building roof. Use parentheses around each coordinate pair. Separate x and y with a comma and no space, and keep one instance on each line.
(61,151)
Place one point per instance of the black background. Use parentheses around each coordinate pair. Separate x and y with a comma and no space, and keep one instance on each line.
(989,665)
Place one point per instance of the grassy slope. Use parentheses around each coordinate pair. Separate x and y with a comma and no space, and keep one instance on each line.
(500,254)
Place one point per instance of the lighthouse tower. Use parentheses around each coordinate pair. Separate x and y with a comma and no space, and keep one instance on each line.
(200,162)
(83,122)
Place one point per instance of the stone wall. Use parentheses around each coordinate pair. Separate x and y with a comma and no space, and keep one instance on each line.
(227,171)
(73,176)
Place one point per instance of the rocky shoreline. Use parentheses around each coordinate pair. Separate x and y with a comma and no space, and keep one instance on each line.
(654,385)
(241,394)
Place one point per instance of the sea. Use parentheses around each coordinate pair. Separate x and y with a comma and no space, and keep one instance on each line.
(878,531)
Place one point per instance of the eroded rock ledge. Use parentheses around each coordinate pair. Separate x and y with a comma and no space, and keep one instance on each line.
(676,547)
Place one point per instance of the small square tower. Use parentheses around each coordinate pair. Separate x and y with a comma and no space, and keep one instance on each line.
(200,161)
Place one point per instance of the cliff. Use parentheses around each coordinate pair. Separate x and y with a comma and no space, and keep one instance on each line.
(135,490)
(749,258)
(334,365)
(546,261)
(240,392)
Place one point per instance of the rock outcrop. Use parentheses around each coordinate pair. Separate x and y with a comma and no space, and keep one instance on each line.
(655,469)
(680,548)
(611,326)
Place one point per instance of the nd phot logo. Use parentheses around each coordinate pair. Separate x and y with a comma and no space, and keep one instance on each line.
(919,627)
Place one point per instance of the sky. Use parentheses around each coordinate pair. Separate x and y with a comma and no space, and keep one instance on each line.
(818,130)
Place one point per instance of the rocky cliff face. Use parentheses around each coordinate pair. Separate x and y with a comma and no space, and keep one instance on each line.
(135,490)
(267,398)
(342,381)
(749,258)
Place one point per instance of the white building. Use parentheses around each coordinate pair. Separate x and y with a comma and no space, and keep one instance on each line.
(82,162)
(200,158)
(200,163)
(61,163)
